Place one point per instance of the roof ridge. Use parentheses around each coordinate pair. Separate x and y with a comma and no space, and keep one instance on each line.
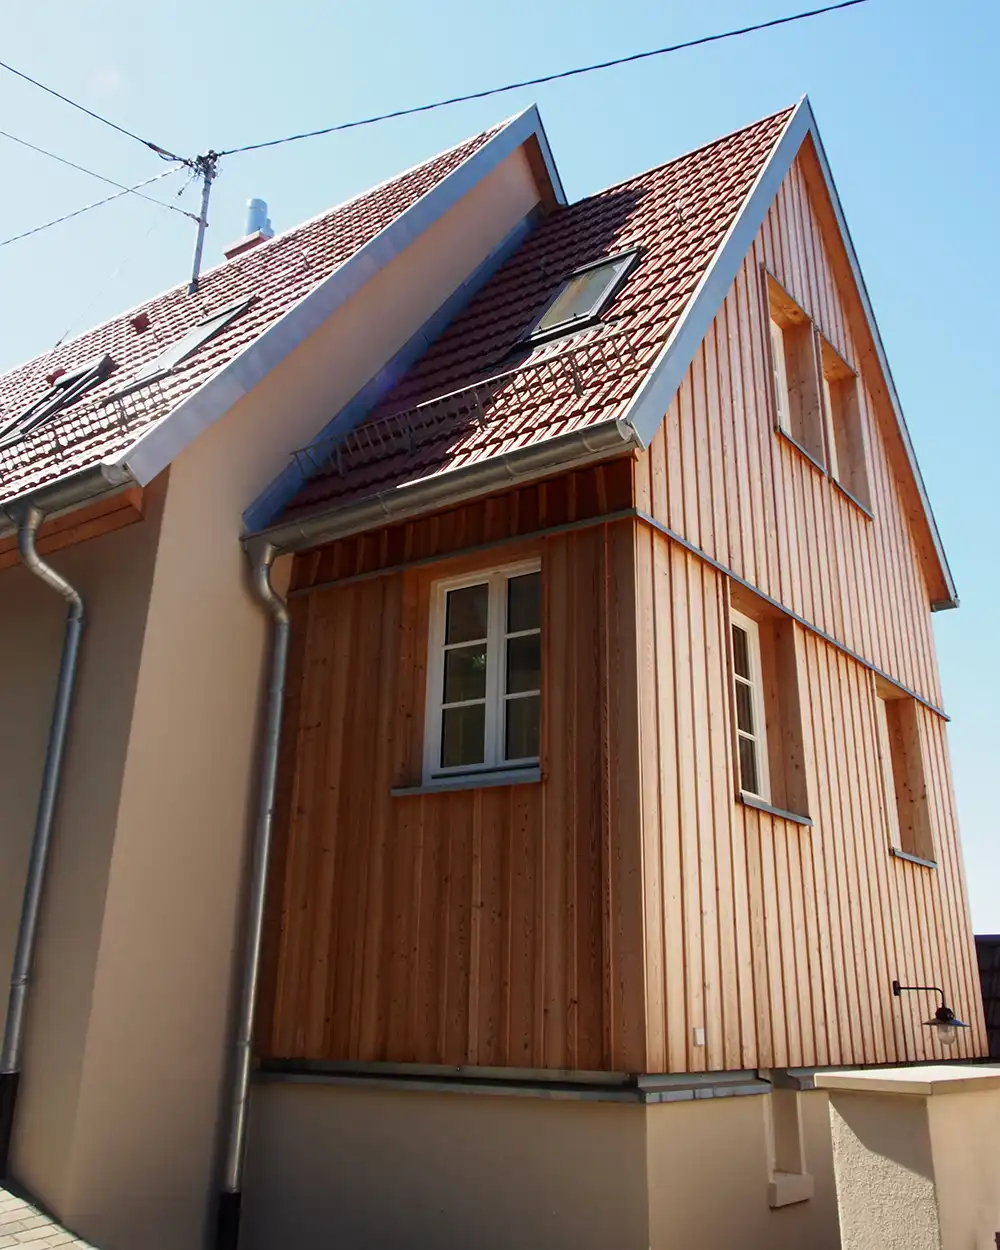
(283,236)
(683,156)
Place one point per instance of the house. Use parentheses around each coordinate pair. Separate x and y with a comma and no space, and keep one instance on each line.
(497,854)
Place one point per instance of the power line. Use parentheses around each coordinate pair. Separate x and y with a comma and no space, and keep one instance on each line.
(93,174)
(153,147)
(87,207)
(545,78)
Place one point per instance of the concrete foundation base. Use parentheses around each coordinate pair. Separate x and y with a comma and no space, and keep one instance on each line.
(366,1167)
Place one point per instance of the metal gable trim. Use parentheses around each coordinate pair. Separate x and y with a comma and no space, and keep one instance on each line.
(952,600)
(649,405)
(151,453)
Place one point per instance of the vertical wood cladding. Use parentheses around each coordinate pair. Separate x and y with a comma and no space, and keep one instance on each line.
(599,918)
(781,940)
(498,927)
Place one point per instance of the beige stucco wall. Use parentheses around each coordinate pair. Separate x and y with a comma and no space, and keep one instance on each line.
(114,575)
(139,1152)
(442,1171)
(447,1170)
(708,1173)
(918,1173)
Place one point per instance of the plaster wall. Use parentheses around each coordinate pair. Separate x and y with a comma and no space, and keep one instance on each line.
(965,1134)
(114,575)
(140,1171)
(395,1168)
(882,1156)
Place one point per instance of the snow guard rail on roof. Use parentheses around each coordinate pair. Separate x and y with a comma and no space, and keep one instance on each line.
(481,403)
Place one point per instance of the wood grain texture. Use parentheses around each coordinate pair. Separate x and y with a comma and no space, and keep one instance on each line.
(498,927)
(785,526)
(781,941)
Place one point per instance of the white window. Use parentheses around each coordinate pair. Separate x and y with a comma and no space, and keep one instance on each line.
(484,673)
(751,733)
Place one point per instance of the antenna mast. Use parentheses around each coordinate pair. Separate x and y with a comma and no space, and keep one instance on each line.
(205,166)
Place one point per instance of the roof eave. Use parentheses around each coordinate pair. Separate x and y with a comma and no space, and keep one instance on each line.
(447,489)
(67,494)
(157,447)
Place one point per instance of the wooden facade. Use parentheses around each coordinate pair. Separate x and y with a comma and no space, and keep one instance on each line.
(602,918)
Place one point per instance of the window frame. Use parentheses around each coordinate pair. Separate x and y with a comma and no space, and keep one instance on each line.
(756,683)
(837,374)
(496,697)
(592,316)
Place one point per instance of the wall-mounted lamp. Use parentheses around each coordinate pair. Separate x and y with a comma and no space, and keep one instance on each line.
(945,1021)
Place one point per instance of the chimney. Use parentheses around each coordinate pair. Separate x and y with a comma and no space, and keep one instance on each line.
(259,229)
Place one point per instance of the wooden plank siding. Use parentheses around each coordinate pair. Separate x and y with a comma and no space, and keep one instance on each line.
(494,927)
(600,919)
(779,940)
(717,474)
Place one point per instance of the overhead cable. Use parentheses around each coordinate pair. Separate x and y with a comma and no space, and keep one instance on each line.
(87,207)
(146,143)
(93,174)
(544,78)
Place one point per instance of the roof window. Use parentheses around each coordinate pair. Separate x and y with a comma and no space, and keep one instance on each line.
(188,344)
(66,388)
(583,296)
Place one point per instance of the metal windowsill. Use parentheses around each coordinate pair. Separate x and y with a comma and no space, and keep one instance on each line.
(794,442)
(472,781)
(912,859)
(749,800)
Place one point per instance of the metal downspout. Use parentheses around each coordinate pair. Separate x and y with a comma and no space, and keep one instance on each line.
(230,1200)
(10,1054)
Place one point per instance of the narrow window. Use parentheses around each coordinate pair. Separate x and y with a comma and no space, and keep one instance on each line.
(904,781)
(751,733)
(789,1180)
(795,377)
(845,439)
(484,684)
(583,296)
(188,344)
(767,717)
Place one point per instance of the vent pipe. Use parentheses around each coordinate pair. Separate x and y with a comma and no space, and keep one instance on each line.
(259,230)
(258,220)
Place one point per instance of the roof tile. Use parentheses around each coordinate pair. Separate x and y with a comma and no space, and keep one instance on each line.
(677,215)
(280,273)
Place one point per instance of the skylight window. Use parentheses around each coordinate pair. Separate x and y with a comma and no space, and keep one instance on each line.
(583,296)
(189,343)
(65,390)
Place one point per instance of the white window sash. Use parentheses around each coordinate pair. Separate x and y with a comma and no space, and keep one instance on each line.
(759,735)
(496,673)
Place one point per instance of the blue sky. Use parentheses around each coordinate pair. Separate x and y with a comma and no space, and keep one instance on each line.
(906,96)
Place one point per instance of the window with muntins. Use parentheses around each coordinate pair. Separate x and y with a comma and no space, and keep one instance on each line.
(583,296)
(484,673)
(751,731)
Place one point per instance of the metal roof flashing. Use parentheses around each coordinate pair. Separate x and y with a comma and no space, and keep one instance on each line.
(155,449)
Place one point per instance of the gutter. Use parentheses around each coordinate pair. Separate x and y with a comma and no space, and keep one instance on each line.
(66,495)
(231,1196)
(30,519)
(559,454)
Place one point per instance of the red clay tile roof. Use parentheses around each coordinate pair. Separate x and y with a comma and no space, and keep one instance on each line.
(279,273)
(677,215)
